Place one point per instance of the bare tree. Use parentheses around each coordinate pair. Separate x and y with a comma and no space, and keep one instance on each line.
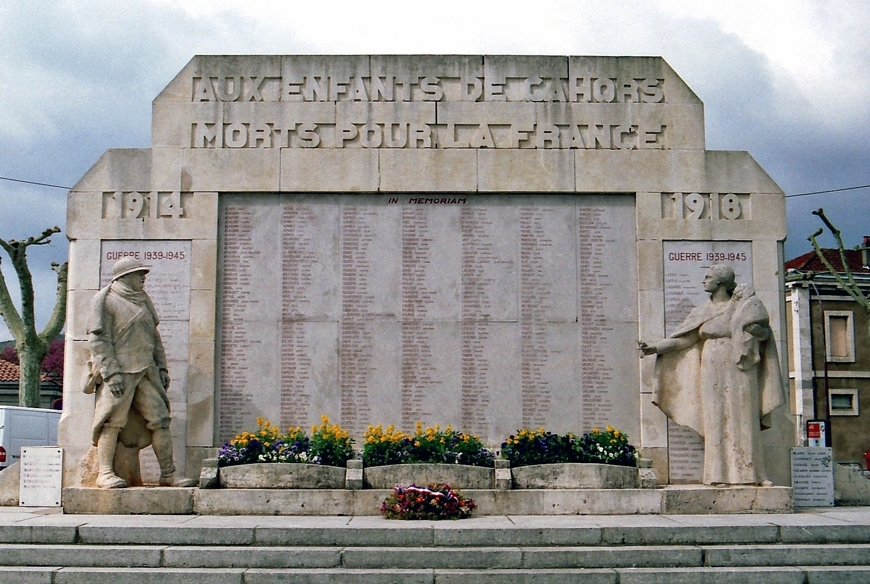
(845,279)
(30,345)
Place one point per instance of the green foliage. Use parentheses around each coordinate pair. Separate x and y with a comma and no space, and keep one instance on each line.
(329,445)
(608,447)
(383,447)
(430,445)
(529,447)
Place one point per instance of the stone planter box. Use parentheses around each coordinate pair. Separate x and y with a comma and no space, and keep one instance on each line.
(282,476)
(458,476)
(572,475)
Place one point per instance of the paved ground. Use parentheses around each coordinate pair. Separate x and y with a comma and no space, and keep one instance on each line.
(821,516)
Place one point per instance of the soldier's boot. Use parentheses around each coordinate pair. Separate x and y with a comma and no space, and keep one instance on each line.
(161,441)
(106,444)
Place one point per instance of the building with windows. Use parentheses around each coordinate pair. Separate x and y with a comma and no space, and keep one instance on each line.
(829,349)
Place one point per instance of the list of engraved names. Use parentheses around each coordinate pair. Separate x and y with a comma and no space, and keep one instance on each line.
(487,312)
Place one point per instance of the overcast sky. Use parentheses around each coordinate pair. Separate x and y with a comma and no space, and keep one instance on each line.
(785,80)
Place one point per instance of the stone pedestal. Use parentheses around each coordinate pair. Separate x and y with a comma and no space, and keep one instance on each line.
(282,476)
(458,476)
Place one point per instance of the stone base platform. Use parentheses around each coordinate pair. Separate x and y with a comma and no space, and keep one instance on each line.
(684,500)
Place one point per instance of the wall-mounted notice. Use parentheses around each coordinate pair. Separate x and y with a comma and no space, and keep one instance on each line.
(41,476)
(812,477)
(685,263)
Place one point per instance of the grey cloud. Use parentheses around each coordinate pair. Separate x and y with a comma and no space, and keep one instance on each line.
(79,78)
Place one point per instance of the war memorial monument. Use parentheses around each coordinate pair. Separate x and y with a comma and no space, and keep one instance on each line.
(491,242)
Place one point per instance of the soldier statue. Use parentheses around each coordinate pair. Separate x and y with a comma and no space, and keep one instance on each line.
(128,372)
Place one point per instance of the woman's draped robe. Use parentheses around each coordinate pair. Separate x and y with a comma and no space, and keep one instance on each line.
(724,386)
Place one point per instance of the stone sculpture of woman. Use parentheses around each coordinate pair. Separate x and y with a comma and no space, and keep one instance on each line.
(719,374)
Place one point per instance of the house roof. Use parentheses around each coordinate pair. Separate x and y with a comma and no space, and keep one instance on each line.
(811,262)
(10,372)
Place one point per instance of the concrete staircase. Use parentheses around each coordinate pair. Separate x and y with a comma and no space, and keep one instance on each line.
(800,549)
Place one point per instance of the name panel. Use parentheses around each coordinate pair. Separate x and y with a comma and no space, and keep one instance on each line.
(488,312)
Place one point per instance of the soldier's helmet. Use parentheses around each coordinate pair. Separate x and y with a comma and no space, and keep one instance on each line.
(126,266)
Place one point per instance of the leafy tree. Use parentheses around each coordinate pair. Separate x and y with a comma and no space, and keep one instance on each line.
(30,345)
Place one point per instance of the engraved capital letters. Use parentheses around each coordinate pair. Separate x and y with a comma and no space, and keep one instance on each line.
(472,88)
(528,95)
(252,88)
(204,91)
(229,88)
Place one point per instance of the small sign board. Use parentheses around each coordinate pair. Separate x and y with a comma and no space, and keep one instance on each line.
(816,433)
(812,477)
(41,476)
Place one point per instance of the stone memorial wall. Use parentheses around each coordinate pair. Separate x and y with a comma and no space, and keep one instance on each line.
(473,240)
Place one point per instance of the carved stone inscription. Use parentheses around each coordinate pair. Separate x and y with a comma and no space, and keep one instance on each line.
(313,108)
(685,263)
(487,312)
(812,477)
(40,477)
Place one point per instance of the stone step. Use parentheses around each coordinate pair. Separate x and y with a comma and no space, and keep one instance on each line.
(450,558)
(688,499)
(341,532)
(770,575)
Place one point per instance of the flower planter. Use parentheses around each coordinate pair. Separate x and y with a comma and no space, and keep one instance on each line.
(572,475)
(458,476)
(282,476)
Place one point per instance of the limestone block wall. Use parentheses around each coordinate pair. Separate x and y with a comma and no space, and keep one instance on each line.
(409,127)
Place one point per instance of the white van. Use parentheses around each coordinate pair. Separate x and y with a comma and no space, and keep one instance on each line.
(25,427)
